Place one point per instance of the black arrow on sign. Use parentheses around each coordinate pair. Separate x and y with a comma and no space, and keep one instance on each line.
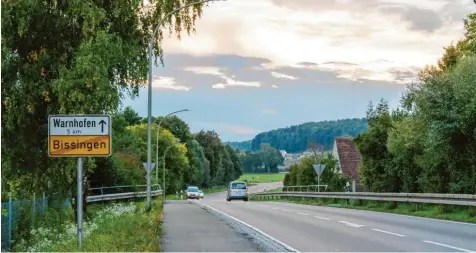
(102,123)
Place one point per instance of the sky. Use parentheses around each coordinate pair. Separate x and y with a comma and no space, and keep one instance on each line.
(258,65)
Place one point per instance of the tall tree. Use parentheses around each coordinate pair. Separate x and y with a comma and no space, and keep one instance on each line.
(212,147)
(77,56)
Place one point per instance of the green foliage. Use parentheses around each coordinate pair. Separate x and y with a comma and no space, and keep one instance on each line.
(430,144)
(296,138)
(267,159)
(303,173)
(243,146)
(70,57)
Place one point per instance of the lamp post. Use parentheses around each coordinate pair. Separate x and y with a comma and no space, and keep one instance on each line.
(157,146)
(177,141)
(149,94)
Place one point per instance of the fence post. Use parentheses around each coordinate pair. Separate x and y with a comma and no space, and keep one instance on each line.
(9,221)
(34,205)
(44,203)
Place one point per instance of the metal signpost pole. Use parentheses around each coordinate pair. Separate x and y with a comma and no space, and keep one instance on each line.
(79,201)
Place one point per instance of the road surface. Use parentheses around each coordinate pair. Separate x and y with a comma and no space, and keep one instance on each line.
(313,228)
(189,228)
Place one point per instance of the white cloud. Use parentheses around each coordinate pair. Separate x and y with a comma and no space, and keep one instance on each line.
(269,111)
(168,83)
(347,33)
(280,75)
(229,81)
(275,86)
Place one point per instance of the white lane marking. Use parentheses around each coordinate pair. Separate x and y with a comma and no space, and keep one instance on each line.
(448,246)
(386,232)
(322,218)
(284,210)
(383,213)
(303,213)
(351,224)
(261,206)
(274,208)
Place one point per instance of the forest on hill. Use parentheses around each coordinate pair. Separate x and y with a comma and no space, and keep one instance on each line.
(296,138)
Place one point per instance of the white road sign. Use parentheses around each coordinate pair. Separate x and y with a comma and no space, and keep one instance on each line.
(79,135)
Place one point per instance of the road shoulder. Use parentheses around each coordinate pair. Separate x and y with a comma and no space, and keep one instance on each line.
(189,228)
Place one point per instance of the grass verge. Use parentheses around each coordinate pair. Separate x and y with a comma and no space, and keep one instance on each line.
(262,177)
(123,227)
(443,212)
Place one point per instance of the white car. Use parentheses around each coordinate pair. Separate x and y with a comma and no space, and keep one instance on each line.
(193,192)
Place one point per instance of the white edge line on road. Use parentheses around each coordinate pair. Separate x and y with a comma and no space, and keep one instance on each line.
(254,228)
(322,218)
(386,232)
(303,213)
(284,210)
(448,246)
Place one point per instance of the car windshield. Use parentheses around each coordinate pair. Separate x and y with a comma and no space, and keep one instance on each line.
(238,186)
(192,189)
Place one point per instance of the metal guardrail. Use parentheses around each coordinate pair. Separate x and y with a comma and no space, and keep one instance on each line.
(430,198)
(122,195)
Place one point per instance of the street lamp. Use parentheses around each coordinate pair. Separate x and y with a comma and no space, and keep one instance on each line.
(177,141)
(157,146)
(149,94)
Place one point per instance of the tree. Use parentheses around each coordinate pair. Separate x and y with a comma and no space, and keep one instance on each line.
(199,173)
(212,147)
(177,126)
(70,57)
(235,160)
(131,116)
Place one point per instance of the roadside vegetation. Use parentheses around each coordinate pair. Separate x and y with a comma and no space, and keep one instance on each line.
(113,227)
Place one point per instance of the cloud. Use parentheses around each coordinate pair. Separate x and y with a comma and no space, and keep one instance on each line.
(280,75)
(229,81)
(167,83)
(407,33)
(275,86)
(269,111)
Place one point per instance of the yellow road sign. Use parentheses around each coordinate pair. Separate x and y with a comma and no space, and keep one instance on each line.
(78,135)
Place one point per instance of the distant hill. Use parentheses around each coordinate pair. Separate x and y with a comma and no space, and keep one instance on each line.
(295,139)
(241,145)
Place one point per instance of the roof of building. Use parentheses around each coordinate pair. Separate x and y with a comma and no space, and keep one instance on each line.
(349,157)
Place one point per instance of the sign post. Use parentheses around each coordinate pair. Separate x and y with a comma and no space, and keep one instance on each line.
(79,136)
(318,168)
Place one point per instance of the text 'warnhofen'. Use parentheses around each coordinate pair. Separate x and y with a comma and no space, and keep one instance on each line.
(74,123)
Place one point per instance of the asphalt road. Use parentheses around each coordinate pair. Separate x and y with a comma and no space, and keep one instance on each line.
(189,228)
(312,228)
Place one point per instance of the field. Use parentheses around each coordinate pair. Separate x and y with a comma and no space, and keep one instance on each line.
(262,177)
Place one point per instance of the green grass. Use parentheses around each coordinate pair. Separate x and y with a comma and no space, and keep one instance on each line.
(444,212)
(138,231)
(262,177)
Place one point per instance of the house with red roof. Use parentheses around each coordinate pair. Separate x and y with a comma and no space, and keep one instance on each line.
(348,160)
